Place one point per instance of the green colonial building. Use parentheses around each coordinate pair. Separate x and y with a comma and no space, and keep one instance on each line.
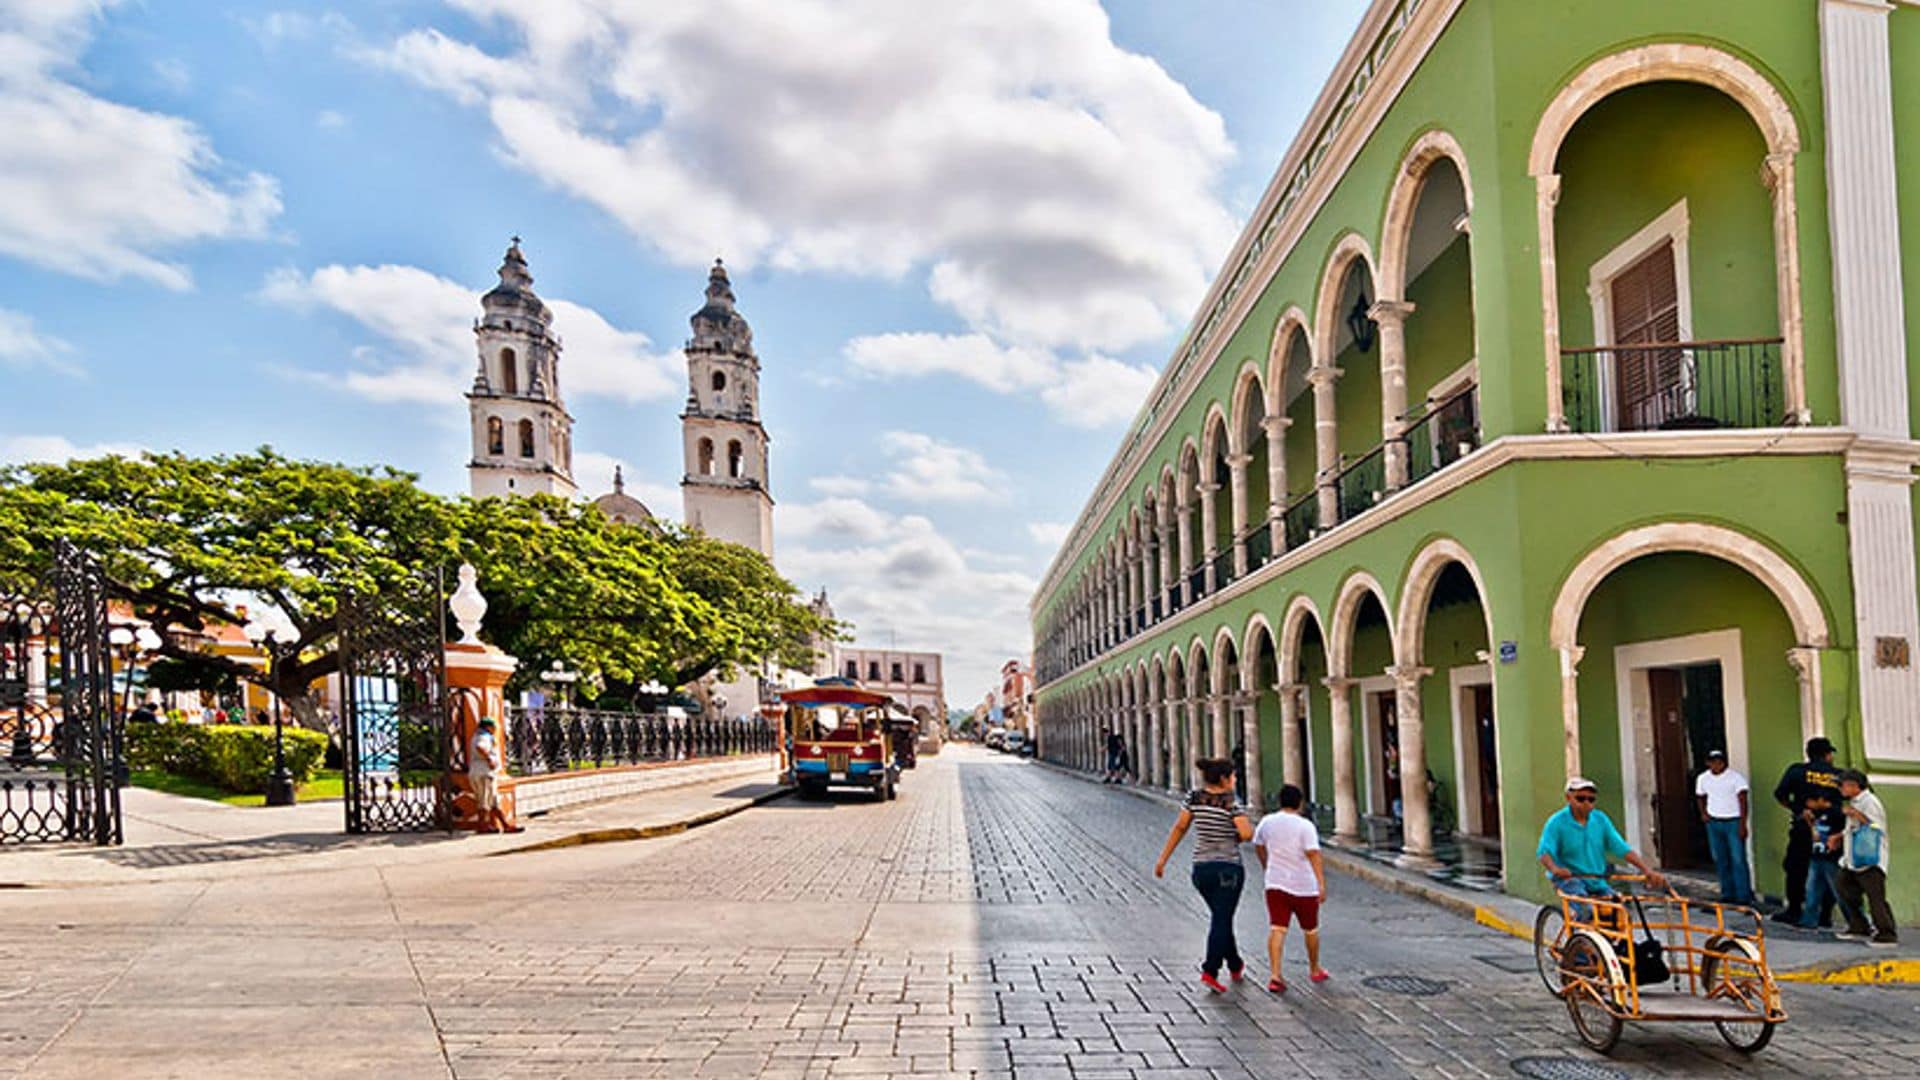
(1553,414)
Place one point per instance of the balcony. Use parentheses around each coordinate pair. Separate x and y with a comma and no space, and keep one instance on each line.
(1259,541)
(1223,569)
(1444,432)
(1302,518)
(1197,584)
(1361,482)
(1674,386)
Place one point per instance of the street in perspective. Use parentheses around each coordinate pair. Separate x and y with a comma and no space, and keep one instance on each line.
(1017,540)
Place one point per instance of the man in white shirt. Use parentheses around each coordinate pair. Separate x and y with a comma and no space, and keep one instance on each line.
(483,763)
(1865,855)
(1722,794)
(1288,846)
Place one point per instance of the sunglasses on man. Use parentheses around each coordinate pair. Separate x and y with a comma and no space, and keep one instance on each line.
(1583,798)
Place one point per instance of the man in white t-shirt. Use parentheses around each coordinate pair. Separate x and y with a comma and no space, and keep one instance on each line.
(1722,794)
(1288,846)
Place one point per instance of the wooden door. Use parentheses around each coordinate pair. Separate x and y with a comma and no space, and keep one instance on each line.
(1387,748)
(1483,741)
(1649,385)
(1673,796)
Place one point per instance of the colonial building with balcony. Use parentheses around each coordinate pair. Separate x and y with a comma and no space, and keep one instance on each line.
(1553,414)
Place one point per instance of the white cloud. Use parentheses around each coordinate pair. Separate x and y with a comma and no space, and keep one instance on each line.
(1052,188)
(22,346)
(1091,392)
(911,587)
(173,74)
(57,449)
(97,189)
(843,518)
(924,469)
(425,326)
(840,485)
(331,120)
(1049,533)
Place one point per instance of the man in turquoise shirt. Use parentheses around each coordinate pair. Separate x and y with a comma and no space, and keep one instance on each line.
(1579,841)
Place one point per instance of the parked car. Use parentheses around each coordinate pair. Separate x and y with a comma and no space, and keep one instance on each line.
(997,739)
(1015,742)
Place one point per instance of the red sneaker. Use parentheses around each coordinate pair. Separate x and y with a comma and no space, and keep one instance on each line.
(1322,975)
(1212,983)
(1237,974)
(1276,986)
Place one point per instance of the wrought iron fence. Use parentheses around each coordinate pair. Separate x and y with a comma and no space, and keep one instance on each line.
(545,739)
(1197,583)
(1302,518)
(1223,568)
(1361,482)
(1445,431)
(1673,386)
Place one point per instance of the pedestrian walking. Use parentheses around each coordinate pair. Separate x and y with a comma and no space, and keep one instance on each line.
(1723,796)
(1116,758)
(483,765)
(1817,773)
(1864,859)
(1288,847)
(1220,826)
(1823,872)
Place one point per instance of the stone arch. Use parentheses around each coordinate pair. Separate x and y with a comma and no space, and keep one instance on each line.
(1409,181)
(1198,663)
(1351,248)
(1772,114)
(1216,434)
(1788,585)
(1417,589)
(1346,611)
(1300,612)
(1292,321)
(1250,381)
(1226,650)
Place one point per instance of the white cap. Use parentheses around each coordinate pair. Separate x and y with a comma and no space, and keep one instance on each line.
(1581,783)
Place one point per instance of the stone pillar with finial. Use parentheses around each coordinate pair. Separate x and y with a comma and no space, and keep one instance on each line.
(477,675)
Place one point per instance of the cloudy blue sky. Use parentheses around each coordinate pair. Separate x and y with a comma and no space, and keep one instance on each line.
(968,236)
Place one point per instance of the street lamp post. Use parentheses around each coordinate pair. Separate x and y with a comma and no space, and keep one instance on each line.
(280,784)
(558,674)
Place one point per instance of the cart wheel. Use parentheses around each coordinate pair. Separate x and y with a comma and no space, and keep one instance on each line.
(893,791)
(1589,970)
(1546,944)
(1731,969)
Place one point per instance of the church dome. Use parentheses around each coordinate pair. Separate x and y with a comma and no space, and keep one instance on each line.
(621,508)
(717,325)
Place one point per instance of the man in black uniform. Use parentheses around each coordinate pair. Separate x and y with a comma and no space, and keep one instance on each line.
(1802,778)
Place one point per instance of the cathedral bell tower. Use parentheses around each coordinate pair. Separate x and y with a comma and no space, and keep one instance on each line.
(725,487)
(522,435)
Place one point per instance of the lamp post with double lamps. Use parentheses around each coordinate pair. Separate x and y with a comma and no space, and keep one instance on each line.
(559,675)
(280,784)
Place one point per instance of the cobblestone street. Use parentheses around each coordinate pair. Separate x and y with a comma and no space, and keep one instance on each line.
(999,920)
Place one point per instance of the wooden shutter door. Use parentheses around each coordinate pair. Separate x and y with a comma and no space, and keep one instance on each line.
(1646,310)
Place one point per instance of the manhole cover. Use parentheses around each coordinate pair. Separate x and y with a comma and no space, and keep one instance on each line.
(1508,962)
(1565,1068)
(1411,985)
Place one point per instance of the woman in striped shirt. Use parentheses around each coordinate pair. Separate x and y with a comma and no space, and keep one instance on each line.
(1220,825)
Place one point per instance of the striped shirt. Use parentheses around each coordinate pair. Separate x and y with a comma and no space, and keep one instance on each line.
(1215,838)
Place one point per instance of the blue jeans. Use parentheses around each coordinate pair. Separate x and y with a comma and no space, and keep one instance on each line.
(1823,891)
(1582,886)
(1219,885)
(1730,859)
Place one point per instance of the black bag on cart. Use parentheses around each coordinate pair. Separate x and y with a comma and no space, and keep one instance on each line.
(1649,956)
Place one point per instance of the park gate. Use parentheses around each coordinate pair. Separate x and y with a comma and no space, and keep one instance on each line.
(395,730)
(62,739)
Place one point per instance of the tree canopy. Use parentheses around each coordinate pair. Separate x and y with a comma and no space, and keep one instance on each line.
(191,543)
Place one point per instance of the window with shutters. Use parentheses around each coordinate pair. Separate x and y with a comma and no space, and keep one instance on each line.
(1640,295)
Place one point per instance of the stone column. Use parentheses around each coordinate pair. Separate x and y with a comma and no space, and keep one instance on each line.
(1222,723)
(1805,662)
(1346,794)
(1292,768)
(1546,191)
(1165,551)
(1416,842)
(1570,656)
(1178,755)
(1276,429)
(1237,472)
(477,675)
(1196,746)
(1156,755)
(1250,740)
(1186,550)
(1210,529)
(1391,315)
(1326,441)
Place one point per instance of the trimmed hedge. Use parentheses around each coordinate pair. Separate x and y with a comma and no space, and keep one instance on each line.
(238,757)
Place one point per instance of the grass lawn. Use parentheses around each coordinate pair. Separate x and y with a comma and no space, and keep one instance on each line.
(325,784)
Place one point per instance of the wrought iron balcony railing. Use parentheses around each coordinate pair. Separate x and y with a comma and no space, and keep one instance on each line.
(1361,482)
(1442,433)
(1259,541)
(1674,386)
(1197,584)
(1223,568)
(1302,518)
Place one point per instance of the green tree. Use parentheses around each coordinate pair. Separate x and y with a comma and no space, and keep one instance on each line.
(193,543)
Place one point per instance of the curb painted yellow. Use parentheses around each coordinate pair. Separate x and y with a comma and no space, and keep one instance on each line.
(1882,973)
(1490,918)
(647,832)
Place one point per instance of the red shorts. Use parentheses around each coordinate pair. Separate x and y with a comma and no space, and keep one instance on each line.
(1284,905)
